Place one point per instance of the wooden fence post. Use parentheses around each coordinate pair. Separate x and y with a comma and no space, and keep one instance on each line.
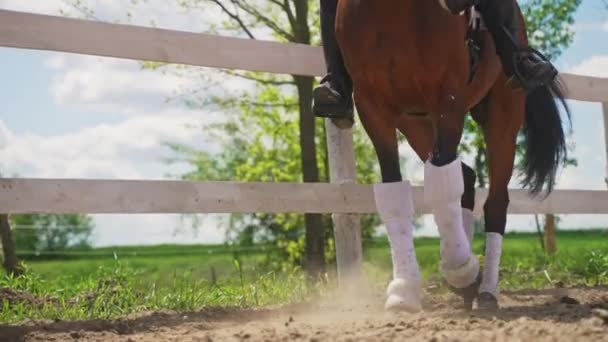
(605,108)
(347,227)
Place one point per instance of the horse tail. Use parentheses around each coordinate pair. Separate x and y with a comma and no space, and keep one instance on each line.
(544,138)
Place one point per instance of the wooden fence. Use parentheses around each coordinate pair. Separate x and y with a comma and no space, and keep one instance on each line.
(345,199)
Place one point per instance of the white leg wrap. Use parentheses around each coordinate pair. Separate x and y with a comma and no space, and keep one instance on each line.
(468,221)
(403,295)
(462,276)
(443,189)
(492,264)
(396,209)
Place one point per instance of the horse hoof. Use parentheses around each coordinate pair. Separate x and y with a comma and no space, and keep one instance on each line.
(458,278)
(396,303)
(469,293)
(487,301)
(403,296)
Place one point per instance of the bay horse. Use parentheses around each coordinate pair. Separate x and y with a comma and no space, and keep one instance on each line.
(409,57)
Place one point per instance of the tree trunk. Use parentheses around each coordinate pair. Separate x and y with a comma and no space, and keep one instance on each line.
(11,263)
(550,234)
(315,235)
(539,232)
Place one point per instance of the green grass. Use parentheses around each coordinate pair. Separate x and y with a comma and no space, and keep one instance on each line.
(119,290)
(113,282)
(523,263)
(160,269)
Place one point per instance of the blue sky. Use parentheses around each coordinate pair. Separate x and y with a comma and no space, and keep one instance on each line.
(66,115)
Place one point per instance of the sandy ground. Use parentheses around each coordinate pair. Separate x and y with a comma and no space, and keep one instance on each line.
(547,315)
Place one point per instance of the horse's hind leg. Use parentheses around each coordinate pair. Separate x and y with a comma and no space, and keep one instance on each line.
(504,117)
(394,204)
(467,202)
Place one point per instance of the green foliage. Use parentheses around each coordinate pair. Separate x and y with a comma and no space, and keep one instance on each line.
(548,23)
(596,270)
(51,232)
(258,140)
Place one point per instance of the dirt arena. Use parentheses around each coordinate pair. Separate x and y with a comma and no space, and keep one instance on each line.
(545,315)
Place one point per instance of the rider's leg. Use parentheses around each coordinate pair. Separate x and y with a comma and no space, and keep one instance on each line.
(500,16)
(333,98)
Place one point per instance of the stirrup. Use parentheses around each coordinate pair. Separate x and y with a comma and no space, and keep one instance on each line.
(338,110)
(519,79)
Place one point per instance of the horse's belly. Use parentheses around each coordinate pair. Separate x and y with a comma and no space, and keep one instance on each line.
(399,88)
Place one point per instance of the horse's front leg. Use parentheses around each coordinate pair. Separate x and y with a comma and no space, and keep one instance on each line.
(395,206)
(443,191)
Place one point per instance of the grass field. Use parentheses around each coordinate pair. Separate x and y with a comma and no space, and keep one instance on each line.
(111,282)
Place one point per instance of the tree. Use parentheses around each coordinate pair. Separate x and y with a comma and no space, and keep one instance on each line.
(52,232)
(287,21)
(548,23)
(11,263)
(258,140)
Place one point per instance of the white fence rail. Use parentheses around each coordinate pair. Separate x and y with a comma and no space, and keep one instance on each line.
(43,32)
(343,198)
(169,197)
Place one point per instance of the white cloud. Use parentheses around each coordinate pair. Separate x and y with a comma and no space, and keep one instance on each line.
(148,229)
(128,150)
(50,7)
(113,85)
(5,135)
(131,149)
(592,66)
(158,13)
(590,26)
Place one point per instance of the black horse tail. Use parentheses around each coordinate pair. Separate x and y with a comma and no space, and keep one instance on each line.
(544,138)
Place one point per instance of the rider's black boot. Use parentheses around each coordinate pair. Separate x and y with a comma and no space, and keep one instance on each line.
(524,67)
(333,98)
